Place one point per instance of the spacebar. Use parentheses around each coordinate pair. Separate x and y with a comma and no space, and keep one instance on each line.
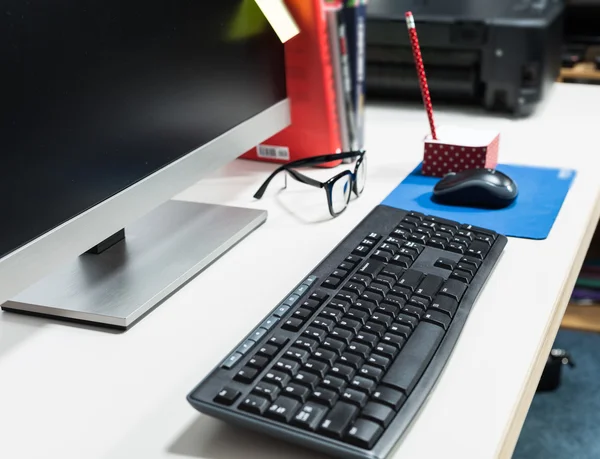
(414,357)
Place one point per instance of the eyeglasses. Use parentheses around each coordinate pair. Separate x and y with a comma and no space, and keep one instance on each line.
(338,188)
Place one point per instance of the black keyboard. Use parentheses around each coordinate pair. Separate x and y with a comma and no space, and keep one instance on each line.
(345,362)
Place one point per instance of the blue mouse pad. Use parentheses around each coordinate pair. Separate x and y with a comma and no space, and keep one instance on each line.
(531,216)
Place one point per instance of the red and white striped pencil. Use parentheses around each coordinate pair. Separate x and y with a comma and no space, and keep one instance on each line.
(414,41)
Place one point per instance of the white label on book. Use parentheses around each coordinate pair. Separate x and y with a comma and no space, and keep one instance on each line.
(273,152)
(280,18)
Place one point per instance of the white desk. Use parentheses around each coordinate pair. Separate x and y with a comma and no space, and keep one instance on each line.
(72,392)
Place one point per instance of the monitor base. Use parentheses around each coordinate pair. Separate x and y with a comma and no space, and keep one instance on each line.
(161,252)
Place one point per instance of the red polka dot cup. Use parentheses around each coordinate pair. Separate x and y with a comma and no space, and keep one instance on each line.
(457,149)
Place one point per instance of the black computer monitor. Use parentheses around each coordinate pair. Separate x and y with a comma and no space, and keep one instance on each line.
(108,108)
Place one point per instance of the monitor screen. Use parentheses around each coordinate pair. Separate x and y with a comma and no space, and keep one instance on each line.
(98,94)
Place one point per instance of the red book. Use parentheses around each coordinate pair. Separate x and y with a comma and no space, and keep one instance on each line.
(314,129)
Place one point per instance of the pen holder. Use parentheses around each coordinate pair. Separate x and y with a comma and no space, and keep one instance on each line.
(457,149)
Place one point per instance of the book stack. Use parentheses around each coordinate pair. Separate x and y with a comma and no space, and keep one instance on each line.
(325,76)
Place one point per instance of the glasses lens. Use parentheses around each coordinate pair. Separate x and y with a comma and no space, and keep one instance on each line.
(361,176)
(340,194)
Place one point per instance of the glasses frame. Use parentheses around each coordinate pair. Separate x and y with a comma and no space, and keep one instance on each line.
(329,184)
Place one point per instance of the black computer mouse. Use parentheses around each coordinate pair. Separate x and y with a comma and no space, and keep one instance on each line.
(480,188)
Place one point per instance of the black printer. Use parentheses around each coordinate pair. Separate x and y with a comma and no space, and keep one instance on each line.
(502,54)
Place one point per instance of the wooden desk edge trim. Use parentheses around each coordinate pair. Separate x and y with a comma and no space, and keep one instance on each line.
(513,430)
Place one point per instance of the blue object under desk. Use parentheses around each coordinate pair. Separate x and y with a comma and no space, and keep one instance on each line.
(541,194)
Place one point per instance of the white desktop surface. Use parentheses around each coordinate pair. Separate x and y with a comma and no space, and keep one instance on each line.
(74,392)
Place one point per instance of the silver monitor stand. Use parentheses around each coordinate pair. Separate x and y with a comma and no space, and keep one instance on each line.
(161,252)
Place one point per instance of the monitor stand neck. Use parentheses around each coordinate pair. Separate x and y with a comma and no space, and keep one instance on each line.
(121,280)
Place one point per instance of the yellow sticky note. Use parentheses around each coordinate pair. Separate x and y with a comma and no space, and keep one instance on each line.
(280,18)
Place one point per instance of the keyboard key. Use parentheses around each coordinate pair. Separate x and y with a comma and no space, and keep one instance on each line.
(331,313)
(410,279)
(468,268)
(361,250)
(354,287)
(387,281)
(309,380)
(454,289)
(297,392)
(484,239)
(461,276)
(291,300)
(278,340)
(445,304)
(442,221)
(374,237)
(401,233)
(368,339)
(374,328)
(353,259)
(231,360)
(319,295)
(268,350)
(391,310)
(324,396)
(478,250)
(382,319)
(420,302)
(357,314)
(302,314)
(386,350)
(359,349)
(371,372)
(342,334)
(317,367)
(352,360)
(402,330)
(310,304)
(290,367)
(325,356)
(456,248)
(391,248)
(344,372)
(418,248)
(336,422)
(254,404)
(309,281)
(331,283)
(340,305)
(350,324)
(281,311)
(378,413)
(306,344)
(392,271)
(283,409)
(401,260)
(364,433)
(347,296)
(409,253)
(405,319)
(407,369)
(478,230)
(323,323)
(333,383)
(368,242)
(310,416)
(445,263)
(339,273)
(437,243)
(246,346)
(292,325)
(315,333)
(363,384)
(370,268)
(378,361)
(414,311)
(270,322)
(267,390)
(346,266)
(227,396)
(438,318)
(379,288)
(461,240)
(361,279)
(390,397)
(277,377)
(334,345)
(393,340)
(355,397)
(301,290)
(365,304)
(258,362)
(429,286)
(382,255)
(469,235)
